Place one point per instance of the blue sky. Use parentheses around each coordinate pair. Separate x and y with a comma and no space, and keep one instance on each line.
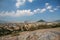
(31,10)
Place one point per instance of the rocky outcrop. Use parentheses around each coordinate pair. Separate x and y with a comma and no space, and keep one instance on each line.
(44,34)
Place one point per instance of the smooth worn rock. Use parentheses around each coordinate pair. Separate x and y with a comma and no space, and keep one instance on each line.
(45,34)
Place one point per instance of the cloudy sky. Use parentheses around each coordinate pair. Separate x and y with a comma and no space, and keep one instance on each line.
(31,10)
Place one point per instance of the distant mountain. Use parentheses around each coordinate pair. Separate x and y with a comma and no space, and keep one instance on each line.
(57,21)
(41,21)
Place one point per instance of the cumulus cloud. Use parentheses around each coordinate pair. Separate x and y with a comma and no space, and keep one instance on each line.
(29,12)
(39,11)
(23,12)
(36,11)
(51,8)
(17,13)
(7,13)
(47,4)
(22,2)
(30,0)
(42,10)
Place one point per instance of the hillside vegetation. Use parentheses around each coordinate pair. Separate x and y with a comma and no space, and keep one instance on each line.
(11,28)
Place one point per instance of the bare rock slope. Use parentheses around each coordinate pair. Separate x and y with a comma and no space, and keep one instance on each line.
(42,34)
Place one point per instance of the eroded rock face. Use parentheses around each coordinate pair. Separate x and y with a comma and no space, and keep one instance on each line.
(35,35)
(51,35)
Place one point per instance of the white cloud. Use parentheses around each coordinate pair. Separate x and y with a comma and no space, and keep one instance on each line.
(30,1)
(47,4)
(17,13)
(36,11)
(28,12)
(51,10)
(22,12)
(7,13)
(39,10)
(43,10)
(49,7)
(22,2)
